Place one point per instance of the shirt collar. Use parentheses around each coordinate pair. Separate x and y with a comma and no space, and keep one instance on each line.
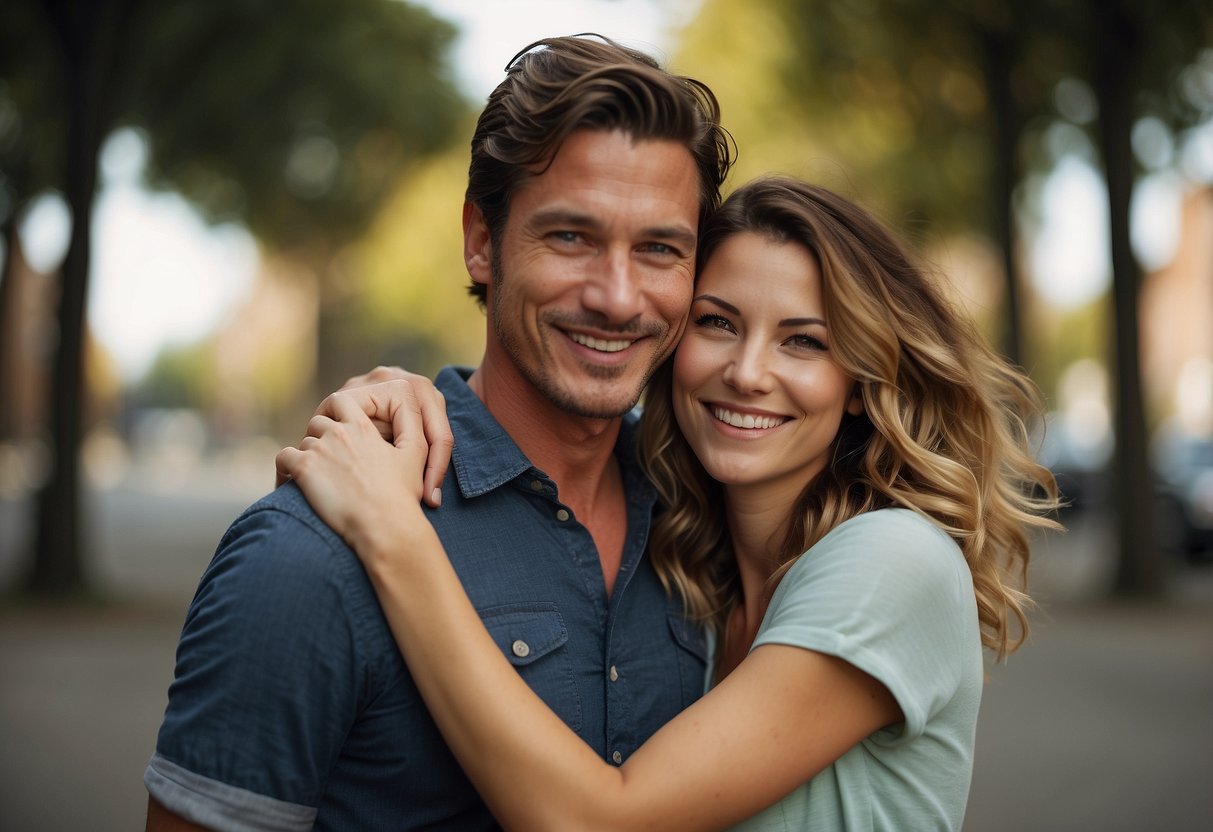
(485,457)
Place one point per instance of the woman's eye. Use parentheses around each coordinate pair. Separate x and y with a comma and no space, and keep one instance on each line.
(807,342)
(713,322)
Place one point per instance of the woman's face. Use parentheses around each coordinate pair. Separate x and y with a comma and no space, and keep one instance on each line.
(757,393)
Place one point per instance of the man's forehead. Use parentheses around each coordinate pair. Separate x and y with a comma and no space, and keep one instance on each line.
(595,169)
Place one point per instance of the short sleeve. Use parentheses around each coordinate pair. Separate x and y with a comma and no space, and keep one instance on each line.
(890,593)
(268,675)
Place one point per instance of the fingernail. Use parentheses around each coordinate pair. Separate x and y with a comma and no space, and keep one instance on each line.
(436,497)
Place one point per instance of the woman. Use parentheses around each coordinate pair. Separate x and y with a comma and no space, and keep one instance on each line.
(846,475)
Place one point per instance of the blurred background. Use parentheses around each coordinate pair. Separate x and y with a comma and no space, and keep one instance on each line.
(212,214)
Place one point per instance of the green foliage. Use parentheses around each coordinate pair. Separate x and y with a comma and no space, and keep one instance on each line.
(415,281)
(297,119)
(180,377)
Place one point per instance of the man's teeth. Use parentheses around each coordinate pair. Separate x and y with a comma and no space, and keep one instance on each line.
(748,421)
(598,343)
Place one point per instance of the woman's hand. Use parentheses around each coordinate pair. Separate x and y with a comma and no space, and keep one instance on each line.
(366,489)
(381,394)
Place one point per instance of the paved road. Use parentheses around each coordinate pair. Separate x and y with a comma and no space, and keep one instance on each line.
(1105,721)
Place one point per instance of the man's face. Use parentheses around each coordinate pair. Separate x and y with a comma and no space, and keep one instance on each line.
(590,287)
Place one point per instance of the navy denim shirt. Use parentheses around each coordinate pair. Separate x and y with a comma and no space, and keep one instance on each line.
(292,709)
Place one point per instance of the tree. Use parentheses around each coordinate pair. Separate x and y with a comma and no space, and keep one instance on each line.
(295,122)
(1136,57)
(960,81)
(31,152)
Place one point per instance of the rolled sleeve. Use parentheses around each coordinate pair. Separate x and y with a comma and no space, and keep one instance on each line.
(217,805)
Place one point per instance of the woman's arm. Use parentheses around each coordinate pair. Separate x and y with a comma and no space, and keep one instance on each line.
(780,718)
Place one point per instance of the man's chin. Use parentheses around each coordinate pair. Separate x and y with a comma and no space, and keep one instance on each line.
(594,404)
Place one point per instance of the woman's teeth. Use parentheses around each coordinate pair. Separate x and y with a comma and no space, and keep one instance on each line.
(748,421)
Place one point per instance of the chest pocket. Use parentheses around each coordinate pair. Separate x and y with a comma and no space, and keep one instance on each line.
(534,639)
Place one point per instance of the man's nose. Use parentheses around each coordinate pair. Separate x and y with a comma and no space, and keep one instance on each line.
(613,287)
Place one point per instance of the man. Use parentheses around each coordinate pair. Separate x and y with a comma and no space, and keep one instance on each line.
(291,707)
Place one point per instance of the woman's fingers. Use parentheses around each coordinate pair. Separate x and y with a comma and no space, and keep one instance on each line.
(403,407)
(377,375)
(287,463)
(318,425)
(441,442)
(416,411)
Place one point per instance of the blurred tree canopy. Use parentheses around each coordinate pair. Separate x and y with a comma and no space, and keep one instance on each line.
(294,120)
(414,282)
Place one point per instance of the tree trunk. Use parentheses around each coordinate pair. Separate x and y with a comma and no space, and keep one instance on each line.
(86,31)
(1140,569)
(8,329)
(999,54)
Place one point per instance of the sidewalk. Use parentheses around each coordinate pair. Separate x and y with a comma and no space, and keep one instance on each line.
(1104,721)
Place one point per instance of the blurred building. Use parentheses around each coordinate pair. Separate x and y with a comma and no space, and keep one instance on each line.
(25,348)
(1177,323)
(265,352)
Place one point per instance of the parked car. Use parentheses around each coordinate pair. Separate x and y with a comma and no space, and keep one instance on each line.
(1183,467)
(1078,459)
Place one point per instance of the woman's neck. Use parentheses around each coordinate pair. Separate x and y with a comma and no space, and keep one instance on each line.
(757,524)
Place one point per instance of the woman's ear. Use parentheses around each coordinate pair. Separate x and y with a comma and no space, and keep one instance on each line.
(477,246)
(855,402)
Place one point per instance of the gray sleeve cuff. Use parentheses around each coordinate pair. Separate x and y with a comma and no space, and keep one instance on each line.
(217,805)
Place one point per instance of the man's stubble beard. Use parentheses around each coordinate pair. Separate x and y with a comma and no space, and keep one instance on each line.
(545,383)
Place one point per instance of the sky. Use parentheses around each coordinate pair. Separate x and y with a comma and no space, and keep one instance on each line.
(163,276)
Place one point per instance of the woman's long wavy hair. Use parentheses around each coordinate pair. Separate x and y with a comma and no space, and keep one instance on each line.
(946,428)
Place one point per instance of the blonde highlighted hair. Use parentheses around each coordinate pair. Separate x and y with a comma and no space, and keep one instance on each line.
(946,428)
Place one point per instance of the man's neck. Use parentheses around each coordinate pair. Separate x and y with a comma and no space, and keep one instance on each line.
(574,451)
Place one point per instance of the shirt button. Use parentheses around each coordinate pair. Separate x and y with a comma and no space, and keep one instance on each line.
(562,515)
(536,485)
(521,648)
(617,757)
(614,674)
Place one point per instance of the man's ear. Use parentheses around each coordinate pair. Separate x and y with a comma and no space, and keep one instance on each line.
(477,247)
(855,402)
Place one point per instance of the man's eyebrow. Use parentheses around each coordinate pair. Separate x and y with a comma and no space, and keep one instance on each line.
(675,234)
(563,216)
(728,307)
(576,219)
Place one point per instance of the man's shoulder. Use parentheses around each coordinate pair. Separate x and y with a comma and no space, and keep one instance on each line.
(281,534)
(287,506)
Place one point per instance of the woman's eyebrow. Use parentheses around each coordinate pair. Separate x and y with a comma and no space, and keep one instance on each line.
(728,307)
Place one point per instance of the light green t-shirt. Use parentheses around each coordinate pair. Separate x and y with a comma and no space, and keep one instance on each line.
(890,593)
